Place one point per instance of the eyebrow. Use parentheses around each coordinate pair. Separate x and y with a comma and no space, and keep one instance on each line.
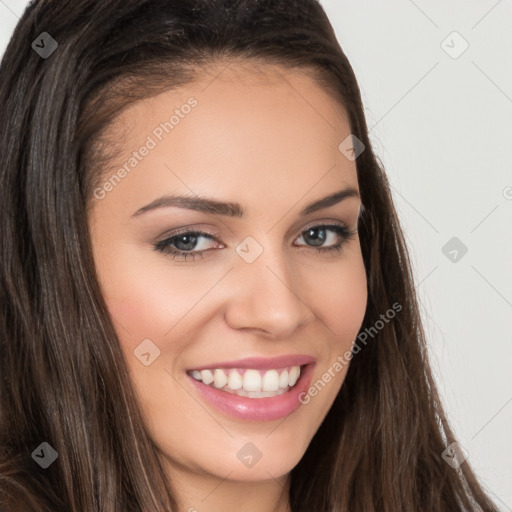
(211,206)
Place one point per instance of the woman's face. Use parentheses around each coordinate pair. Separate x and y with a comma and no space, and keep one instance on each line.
(247,279)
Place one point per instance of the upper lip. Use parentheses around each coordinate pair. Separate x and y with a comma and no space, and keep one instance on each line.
(261,363)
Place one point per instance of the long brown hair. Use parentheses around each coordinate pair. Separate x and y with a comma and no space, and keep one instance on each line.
(63,377)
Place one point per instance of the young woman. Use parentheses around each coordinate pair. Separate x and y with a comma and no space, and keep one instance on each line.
(206,299)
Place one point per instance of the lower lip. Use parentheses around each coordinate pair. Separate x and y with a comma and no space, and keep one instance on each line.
(257,409)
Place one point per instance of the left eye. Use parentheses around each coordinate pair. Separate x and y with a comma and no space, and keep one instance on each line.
(185,245)
(195,243)
(318,235)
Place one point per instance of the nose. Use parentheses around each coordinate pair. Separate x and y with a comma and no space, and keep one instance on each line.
(267,297)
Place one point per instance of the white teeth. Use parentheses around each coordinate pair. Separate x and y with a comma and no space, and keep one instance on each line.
(207,376)
(250,383)
(252,380)
(294,375)
(270,381)
(235,381)
(283,379)
(219,379)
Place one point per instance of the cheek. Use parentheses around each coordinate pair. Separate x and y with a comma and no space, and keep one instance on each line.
(339,293)
(145,300)
(139,308)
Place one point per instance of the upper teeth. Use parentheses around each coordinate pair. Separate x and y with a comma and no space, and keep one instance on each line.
(249,379)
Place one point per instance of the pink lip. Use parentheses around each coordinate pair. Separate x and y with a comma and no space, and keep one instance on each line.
(257,409)
(262,363)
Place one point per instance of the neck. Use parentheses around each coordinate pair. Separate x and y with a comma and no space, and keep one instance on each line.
(207,493)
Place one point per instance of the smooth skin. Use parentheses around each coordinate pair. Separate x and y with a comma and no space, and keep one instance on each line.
(268,141)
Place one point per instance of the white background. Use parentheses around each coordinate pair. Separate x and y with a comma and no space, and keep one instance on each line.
(443,128)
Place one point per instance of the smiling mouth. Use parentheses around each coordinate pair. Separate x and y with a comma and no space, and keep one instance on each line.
(248,382)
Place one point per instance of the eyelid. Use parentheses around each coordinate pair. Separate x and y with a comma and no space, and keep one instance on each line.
(190,230)
(325,222)
(215,235)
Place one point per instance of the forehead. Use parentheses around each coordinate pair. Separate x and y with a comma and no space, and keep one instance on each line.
(240,131)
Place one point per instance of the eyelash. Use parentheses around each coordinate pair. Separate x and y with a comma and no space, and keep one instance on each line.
(164,246)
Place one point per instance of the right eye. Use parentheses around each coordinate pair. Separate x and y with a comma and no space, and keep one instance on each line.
(185,245)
